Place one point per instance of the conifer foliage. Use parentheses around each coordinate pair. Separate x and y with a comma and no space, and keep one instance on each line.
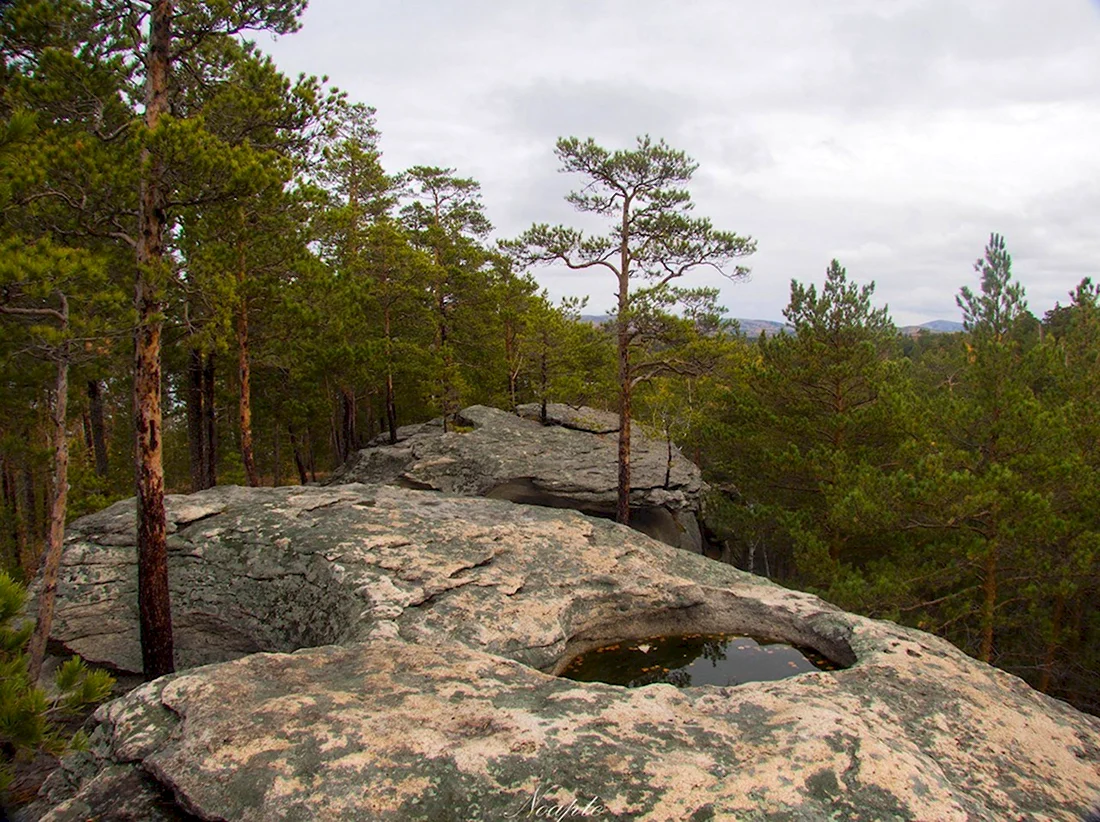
(28,718)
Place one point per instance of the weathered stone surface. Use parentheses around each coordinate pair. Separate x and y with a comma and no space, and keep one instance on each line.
(260,569)
(591,420)
(569,463)
(438,703)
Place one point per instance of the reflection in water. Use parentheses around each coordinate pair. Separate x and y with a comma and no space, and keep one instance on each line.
(694,659)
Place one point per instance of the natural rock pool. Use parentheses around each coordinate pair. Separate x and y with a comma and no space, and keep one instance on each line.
(694,659)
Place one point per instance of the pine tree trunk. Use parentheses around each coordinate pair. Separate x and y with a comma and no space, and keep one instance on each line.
(348,432)
(18,522)
(153,595)
(336,433)
(210,432)
(277,467)
(30,516)
(196,439)
(7,495)
(368,427)
(622,513)
(391,408)
(441,337)
(244,372)
(299,463)
(989,603)
(36,649)
(99,429)
(1047,678)
(86,427)
(29,521)
(623,339)
(391,399)
(668,459)
(509,359)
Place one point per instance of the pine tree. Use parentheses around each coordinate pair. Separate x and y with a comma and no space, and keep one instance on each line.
(653,237)
(27,717)
(445,218)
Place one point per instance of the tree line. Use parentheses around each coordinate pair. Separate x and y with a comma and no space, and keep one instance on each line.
(945,481)
(207,276)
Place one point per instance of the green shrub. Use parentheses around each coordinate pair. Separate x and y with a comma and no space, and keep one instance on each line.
(28,718)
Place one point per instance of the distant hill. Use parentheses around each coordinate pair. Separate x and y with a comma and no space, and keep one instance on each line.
(595,319)
(752,328)
(935,326)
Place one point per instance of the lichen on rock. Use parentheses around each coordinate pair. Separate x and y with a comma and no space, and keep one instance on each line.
(437,624)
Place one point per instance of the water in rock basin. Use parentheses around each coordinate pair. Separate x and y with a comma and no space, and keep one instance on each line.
(694,659)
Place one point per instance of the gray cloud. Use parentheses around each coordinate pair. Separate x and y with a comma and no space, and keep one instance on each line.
(548,109)
(894,134)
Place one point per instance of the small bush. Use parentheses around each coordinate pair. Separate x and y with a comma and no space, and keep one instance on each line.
(27,716)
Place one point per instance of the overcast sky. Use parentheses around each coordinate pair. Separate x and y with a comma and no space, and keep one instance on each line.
(894,135)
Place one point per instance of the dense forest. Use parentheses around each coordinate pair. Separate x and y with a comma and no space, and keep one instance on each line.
(205,266)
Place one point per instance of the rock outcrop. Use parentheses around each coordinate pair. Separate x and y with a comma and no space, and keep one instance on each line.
(441,622)
(569,463)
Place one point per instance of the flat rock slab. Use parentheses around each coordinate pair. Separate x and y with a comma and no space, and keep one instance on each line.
(587,419)
(433,697)
(572,462)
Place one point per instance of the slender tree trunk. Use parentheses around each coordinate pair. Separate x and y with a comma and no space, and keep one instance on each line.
(277,468)
(86,427)
(153,594)
(244,372)
(441,335)
(336,427)
(7,492)
(99,429)
(1047,678)
(348,414)
(196,440)
(668,458)
(18,521)
(509,360)
(210,422)
(336,433)
(623,339)
(622,513)
(47,596)
(989,603)
(544,378)
(391,408)
(312,457)
(391,400)
(369,426)
(298,462)
(7,487)
(30,514)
